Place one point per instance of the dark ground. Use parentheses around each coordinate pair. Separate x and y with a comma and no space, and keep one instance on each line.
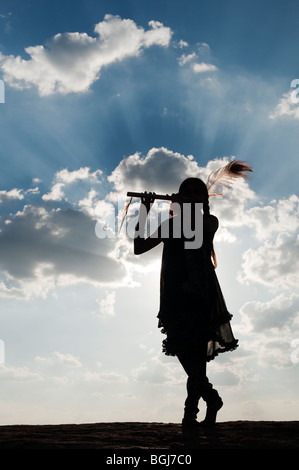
(148,436)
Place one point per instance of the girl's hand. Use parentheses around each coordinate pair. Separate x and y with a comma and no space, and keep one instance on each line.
(147,200)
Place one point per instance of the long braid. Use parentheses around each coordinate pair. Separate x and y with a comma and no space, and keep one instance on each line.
(206,211)
(206,207)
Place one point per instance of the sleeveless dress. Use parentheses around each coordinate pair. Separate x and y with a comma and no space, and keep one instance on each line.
(192,307)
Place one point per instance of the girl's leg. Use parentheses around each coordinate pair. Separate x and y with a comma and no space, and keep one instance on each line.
(193,360)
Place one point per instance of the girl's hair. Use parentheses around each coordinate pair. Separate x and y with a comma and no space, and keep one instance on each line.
(202,190)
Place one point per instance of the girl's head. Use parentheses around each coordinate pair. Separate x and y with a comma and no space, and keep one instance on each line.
(196,189)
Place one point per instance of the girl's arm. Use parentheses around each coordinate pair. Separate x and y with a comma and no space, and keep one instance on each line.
(141,244)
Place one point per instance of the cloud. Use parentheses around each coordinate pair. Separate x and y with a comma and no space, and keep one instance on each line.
(3,16)
(155,371)
(184,59)
(287,106)
(203,47)
(183,43)
(274,263)
(42,248)
(274,353)
(6,196)
(274,314)
(10,373)
(198,67)
(56,193)
(84,173)
(71,62)
(203,67)
(108,376)
(276,217)
(64,177)
(106,305)
(160,170)
(58,358)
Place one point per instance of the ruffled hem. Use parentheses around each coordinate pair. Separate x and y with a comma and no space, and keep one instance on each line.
(215,345)
(221,348)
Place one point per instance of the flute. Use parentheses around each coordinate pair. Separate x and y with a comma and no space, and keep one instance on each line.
(166,197)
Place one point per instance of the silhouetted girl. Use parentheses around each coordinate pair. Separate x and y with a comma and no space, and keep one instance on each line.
(193,313)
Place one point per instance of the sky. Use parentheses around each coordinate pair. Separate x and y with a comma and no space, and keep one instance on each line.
(103,97)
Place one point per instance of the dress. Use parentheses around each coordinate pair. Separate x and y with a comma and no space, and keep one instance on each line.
(192,307)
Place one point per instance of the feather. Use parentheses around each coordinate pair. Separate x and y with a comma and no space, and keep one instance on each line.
(226,175)
(125,211)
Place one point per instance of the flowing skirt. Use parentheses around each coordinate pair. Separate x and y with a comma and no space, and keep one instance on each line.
(192,306)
